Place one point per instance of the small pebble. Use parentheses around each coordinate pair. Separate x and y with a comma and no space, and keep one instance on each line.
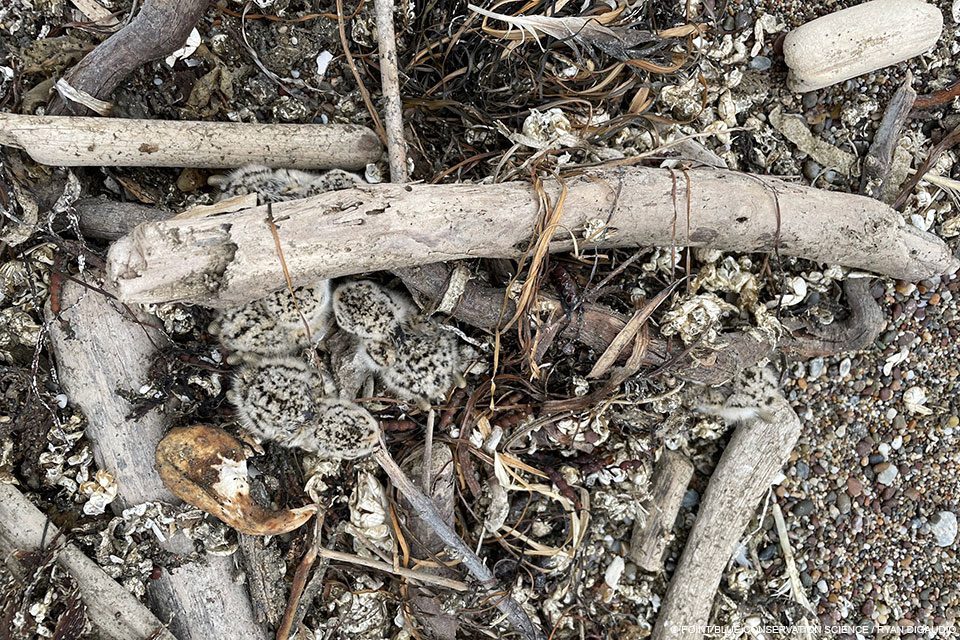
(943,526)
(843,503)
(854,487)
(690,499)
(803,508)
(886,473)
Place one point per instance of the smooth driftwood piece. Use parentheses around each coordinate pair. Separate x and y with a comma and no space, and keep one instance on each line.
(82,142)
(228,259)
(160,28)
(100,355)
(670,479)
(756,452)
(115,611)
(858,40)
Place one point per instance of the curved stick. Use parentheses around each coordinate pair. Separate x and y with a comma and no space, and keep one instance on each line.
(161,27)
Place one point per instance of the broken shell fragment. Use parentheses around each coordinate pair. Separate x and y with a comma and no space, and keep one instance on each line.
(207,467)
(858,40)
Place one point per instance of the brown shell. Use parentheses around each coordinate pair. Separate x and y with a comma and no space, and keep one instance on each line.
(191,462)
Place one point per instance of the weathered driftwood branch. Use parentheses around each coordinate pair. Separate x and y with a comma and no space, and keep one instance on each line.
(390,84)
(76,142)
(161,27)
(856,332)
(481,306)
(115,611)
(756,452)
(101,356)
(229,259)
(670,479)
(876,164)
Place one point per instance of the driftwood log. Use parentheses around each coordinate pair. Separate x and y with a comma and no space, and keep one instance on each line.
(160,28)
(670,479)
(73,142)
(229,259)
(102,355)
(756,452)
(115,611)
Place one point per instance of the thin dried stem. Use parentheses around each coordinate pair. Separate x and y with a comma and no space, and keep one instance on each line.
(300,579)
(356,74)
(420,576)
(425,479)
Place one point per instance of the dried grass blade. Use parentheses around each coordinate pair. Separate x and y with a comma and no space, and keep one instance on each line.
(612,352)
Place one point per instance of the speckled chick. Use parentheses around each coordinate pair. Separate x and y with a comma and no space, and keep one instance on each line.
(278,185)
(277,397)
(283,399)
(272,325)
(343,430)
(367,310)
(754,394)
(421,365)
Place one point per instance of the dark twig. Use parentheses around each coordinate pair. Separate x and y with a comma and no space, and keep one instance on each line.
(937,98)
(948,142)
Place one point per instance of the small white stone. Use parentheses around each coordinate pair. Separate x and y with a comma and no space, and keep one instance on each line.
(615,569)
(845,366)
(945,529)
(323,61)
(888,475)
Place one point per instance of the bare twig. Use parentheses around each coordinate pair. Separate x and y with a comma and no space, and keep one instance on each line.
(421,576)
(300,578)
(948,142)
(425,477)
(345,43)
(427,512)
(796,586)
(876,164)
(937,98)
